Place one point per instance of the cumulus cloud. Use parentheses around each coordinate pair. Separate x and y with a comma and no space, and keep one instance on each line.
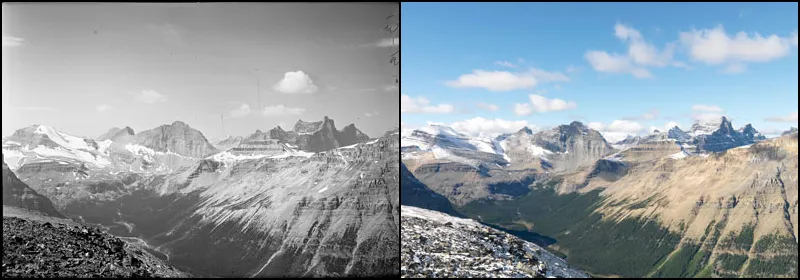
(103,108)
(596,126)
(494,81)
(477,126)
(641,55)
(706,108)
(624,126)
(615,64)
(280,110)
(296,82)
(506,81)
(617,129)
(714,46)
(487,106)
(667,126)
(11,41)
(241,111)
(422,105)
(792,117)
(541,104)
(150,97)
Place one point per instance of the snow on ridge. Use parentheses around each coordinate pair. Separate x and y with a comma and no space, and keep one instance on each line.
(430,215)
(63,139)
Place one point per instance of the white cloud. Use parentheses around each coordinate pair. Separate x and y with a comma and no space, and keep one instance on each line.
(505,64)
(506,81)
(241,111)
(667,126)
(422,105)
(280,110)
(368,114)
(596,126)
(624,126)
(103,108)
(296,82)
(788,118)
(11,41)
(713,46)
(793,38)
(522,109)
(494,81)
(150,97)
(617,130)
(706,108)
(541,104)
(641,54)
(477,126)
(487,106)
(615,64)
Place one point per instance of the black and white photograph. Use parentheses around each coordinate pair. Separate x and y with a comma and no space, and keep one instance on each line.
(190,140)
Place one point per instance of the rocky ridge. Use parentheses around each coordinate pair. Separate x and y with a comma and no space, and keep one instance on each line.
(441,246)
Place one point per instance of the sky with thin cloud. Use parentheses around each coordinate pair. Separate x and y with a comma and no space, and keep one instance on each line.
(623,68)
(223,68)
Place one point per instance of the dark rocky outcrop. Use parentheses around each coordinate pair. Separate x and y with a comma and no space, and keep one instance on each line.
(42,249)
(415,193)
(18,194)
(116,133)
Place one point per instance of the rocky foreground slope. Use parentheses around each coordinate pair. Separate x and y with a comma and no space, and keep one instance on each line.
(43,249)
(438,245)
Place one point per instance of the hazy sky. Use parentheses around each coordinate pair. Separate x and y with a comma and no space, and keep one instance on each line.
(621,67)
(84,68)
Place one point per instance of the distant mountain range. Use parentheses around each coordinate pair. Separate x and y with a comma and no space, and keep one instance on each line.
(712,201)
(321,202)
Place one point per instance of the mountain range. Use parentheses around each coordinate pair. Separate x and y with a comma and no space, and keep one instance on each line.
(711,201)
(275,206)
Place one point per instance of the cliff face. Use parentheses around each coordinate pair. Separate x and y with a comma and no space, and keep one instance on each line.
(178,138)
(18,194)
(335,213)
(415,193)
(574,145)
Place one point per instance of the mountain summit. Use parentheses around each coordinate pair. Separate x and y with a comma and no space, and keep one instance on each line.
(178,138)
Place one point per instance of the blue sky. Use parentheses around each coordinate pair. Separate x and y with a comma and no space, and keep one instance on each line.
(623,68)
(86,67)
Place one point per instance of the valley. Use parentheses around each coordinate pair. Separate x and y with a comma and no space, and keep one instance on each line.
(667,204)
(316,202)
